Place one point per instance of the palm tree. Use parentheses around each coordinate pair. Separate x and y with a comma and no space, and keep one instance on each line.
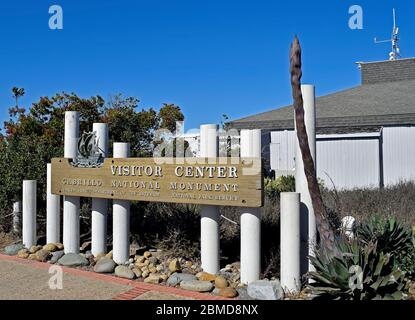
(17,93)
(323,225)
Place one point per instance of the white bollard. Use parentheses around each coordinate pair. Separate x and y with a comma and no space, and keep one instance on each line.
(100,206)
(250,217)
(29,213)
(210,216)
(17,217)
(309,231)
(121,216)
(53,210)
(71,205)
(290,242)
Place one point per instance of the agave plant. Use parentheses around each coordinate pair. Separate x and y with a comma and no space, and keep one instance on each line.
(391,237)
(358,273)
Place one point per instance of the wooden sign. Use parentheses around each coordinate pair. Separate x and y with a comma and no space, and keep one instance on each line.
(219,181)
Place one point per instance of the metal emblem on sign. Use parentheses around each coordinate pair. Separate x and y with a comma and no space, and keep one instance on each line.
(89,155)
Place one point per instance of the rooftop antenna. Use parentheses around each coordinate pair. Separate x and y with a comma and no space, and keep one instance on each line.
(396,52)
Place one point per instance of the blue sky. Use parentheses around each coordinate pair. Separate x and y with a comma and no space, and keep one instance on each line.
(209,57)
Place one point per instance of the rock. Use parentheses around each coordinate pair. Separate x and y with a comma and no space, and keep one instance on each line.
(243,294)
(33,256)
(137,272)
(109,254)
(131,260)
(43,255)
(164,277)
(159,268)
(86,246)
(23,254)
(174,265)
(221,282)
(204,276)
(99,256)
(176,278)
(153,260)
(147,254)
(197,286)
(50,247)
(140,259)
(59,246)
(131,266)
(124,272)
(34,249)
(73,260)
(145,269)
(105,265)
(145,274)
(227,292)
(152,269)
(153,278)
(265,290)
(56,256)
(188,264)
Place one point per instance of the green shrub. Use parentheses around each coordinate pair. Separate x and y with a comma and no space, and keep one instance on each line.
(273,188)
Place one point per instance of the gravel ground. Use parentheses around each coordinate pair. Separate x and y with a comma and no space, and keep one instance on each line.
(20,282)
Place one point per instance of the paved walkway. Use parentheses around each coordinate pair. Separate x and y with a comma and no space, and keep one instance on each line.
(29,280)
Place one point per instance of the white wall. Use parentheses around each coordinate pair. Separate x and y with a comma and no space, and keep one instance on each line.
(398,154)
(351,161)
(348,163)
(282,149)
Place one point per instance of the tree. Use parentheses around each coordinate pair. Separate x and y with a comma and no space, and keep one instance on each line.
(32,138)
(323,225)
(169,115)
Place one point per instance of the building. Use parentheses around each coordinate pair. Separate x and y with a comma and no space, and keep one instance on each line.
(366,135)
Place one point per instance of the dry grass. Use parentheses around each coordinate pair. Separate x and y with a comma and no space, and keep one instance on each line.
(397,201)
(7,239)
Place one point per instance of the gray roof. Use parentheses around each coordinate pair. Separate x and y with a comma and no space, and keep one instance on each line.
(367,107)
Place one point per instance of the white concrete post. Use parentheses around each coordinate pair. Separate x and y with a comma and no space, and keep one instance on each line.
(250,217)
(210,216)
(29,213)
(290,242)
(17,217)
(53,210)
(121,216)
(100,206)
(301,184)
(71,205)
